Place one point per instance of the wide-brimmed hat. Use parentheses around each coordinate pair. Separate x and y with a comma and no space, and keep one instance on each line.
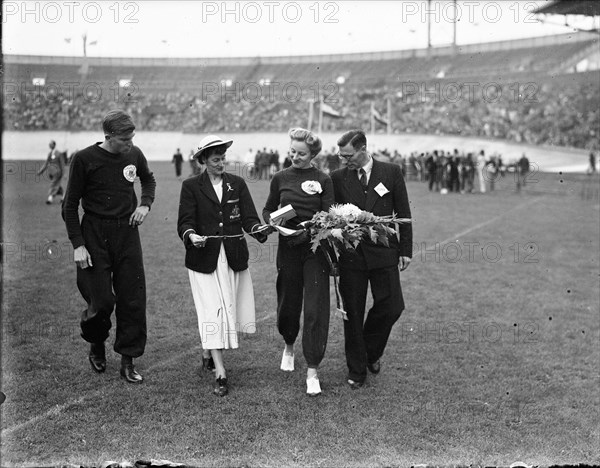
(210,141)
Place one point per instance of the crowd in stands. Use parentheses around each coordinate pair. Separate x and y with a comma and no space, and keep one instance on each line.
(560,112)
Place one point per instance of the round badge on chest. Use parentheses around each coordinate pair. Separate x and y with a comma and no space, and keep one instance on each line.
(129,172)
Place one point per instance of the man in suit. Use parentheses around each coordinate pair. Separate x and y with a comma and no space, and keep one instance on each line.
(377,187)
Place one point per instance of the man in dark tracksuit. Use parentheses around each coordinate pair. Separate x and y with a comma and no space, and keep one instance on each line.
(108,253)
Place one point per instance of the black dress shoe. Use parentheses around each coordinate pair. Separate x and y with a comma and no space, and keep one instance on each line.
(374,367)
(97,357)
(129,373)
(354,385)
(221,387)
(208,363)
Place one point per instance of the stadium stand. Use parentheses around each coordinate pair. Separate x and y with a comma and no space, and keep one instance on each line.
(524,90)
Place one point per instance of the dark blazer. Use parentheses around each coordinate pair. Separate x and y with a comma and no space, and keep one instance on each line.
(347,189)
(200,212)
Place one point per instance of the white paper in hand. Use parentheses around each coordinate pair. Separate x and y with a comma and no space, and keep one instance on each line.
(281,215)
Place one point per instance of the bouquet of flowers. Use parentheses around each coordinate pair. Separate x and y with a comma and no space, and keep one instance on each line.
(345,226)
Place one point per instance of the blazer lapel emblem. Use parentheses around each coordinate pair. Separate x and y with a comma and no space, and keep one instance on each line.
(228,189)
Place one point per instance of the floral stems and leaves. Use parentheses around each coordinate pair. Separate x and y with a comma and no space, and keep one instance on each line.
(343,227)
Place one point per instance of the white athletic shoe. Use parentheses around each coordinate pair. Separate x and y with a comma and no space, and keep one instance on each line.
(313,387)
(287,362)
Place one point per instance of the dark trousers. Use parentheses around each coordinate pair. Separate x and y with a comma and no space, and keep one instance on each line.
(115,281)
(303,276)
(365,341)
(55,176)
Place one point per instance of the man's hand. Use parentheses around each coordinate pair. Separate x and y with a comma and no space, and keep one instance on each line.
(138,216)
(404,262)
(198,241)
(82,257)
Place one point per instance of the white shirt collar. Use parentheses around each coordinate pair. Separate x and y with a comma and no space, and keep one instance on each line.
(367,167)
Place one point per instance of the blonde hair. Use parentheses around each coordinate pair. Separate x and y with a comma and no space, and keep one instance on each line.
(306,136)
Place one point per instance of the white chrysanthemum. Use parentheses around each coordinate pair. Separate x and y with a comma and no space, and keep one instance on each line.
(345,210)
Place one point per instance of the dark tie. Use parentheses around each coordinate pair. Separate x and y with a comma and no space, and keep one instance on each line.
(363,179)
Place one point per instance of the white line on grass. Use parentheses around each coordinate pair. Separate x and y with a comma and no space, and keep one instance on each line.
(56,410)
(455,237)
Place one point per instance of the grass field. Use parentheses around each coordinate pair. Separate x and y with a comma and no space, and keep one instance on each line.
(495,359)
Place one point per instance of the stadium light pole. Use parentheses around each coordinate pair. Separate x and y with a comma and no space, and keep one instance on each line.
(85,44)
(428,26)
(320,124)
(454,28)
(389,115)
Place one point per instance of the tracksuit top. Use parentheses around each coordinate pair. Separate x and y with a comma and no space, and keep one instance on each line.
(104,182)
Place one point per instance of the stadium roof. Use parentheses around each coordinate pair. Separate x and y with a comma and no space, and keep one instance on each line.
(571,7)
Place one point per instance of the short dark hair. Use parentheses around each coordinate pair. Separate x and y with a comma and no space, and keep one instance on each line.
(117,122)
(208,152)
(306,136)
(356,138)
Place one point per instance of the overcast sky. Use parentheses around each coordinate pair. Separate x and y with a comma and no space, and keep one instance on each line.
(261,28)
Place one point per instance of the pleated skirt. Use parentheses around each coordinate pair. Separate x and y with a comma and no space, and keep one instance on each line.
(224,301)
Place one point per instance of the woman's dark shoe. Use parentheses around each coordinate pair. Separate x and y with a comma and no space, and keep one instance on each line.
(221,388)
(208,363)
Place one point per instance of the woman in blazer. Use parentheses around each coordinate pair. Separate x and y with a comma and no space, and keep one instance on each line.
(214,209)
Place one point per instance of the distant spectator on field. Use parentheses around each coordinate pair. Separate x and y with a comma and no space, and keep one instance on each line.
(178,161)
(274,162)
(441,170)
(453,174)
(481,163)
(592,166)
(491,172)
(54,166)
(249,159)
(431,165)
(467,173)
(195,166)
(287,162)
(523,166)
(264,162)
(333,161)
